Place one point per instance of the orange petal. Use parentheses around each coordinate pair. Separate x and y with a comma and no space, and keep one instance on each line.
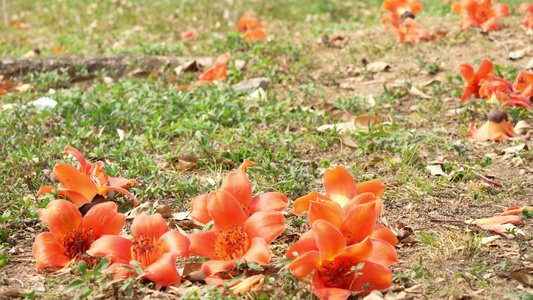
(121,182)
(76,198)
(148,225)
(84,166)
(526,7)
(225,210)
(202,244)
(302,246)
(467,22)
(258,252)
(340,186)
(268,201)
(45,190)
(528,21)
(199,209)
(490,24)
(266,224)
(360,251)
(384,253)
(240,187)
(331,293)
(374,277)
(98,175)
(163,271)
(75,181)
(359,223)
(322,211)
(364,199)
(383,233)
(516,210)
(500,10)
(301,205)
(213,266)
(467,72)
(374,186)
(104,219)
(516,220)
(305,264)
(329,240)
(113,247)
(245,164)
(457,8)
(48,252)
(104,190)
(120,272)
(60,217)
(176,243)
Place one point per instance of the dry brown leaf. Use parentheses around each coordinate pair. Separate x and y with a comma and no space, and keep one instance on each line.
(164,210)
(377,66)
(224,161)
(23,87)
(342,115)
(185,162)
(524,276)
(522,127)
(515,55)
(515,149)
(14,292)
(363,121)
(418,93)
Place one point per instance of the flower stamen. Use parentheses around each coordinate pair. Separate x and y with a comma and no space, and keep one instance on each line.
(231,243)
(77,241)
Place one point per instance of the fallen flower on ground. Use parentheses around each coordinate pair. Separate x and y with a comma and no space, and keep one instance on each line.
(472,78)
(528,20)
(247,22)
(336,269)
(523,84)
(215,73)
(503,225)
(33,53)
(71,235)
(153,245)
(235,236)
(481,13)
(516,210)
(58,49)
(409,31)
(255,35)
(189,34)
(87,182)
(497,128)
(240,187)
(400,9)
(244,286)
(500,90)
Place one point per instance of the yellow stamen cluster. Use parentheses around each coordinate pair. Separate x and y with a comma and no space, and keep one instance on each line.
(77,241)
(231,243)
(146,249)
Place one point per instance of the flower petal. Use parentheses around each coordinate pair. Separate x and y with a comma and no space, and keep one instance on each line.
(120,272)
(322,211)
(202,244)
(383,254)
(98,175)
(360,222)
(375,277)
(115,248)
(176,243)
(121,182)
(199,209)
(467,72)
(329,240)
(374,186)
(383,233)
(83,165)
(340,186)
(225,209)
(360,251)
(147,225)
(104,219)
(240,187)
(213,266)
(258,252)
(60,216)
(364,198)
(302,246)
(301,205)
(75,181)
(48,252)
(500,10)
(331,293)
(78,199)
(304,264)
(268,201)
(266,224)
(245,164)
(104,190)
(163,271)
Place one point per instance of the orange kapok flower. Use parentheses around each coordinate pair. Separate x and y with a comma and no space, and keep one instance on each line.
(472,78)
(255,35)
(235,236)
(153,245)
(240,187)
(189,34)
(501,90)
(356,222)
(247,22)
(516,210)
(481,13)
(58,49)
(400,9)
(244,286)
(523,83)
(333,265)
(409,31)
(71,235)
(215,73)
(86,182)
(496,129)
(33,53)
(528,20)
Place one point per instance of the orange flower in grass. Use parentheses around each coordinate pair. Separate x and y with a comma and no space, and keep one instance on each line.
(472,79)
(400,9)
(528,20)
(335,267)
(235,236)
(215,73)
(496,129)
(240,187)
(71,235)
(86,183)
(189,34)
(153,245)
(247,22)
(409,31)
(516,210)
(481,13)
(523,84)
(357,224)
(255,35)
(501,90)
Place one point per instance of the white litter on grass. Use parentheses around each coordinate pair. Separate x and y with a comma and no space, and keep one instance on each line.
(43,103)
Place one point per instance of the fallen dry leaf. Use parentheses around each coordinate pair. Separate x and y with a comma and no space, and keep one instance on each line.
(522,127)
(524,276)
(366,121)
(418,93)
(435,170)
(377,66)
(515,149)
(185,162)
(164,210)
(515,55)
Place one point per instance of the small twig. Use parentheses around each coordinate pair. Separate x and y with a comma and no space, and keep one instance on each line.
(18,280)
(446,221)
(503,45)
